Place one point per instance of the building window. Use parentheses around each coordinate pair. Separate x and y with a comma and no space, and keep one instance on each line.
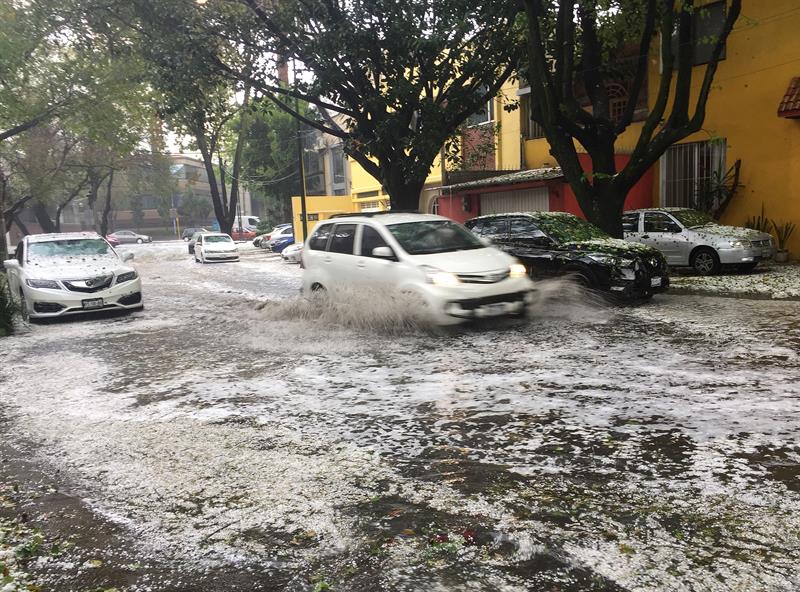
(530,129)
(338,159)
(707,24)
(617,101)
(484,115)
(364,194)
(686,169)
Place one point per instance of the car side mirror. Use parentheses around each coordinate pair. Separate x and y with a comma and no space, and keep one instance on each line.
(383,252)
(127,257)
(11,264)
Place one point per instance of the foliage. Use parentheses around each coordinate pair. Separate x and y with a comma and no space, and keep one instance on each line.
(194,208)
(760,222)
(8,308)
(403,75)
(576,50)
(783,232)
(716,193)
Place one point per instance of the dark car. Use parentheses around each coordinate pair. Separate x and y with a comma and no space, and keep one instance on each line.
(561,244)
(193,240)
(188,233)
(279,243)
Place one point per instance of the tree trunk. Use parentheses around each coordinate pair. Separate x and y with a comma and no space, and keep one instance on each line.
(3,230)
(107,206)
(43,217)
(404,193)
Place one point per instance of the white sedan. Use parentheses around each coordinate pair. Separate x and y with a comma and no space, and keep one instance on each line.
(292,253)
(215,246)
(68,273)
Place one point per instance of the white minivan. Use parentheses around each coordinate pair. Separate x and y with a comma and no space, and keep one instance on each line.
(431,258)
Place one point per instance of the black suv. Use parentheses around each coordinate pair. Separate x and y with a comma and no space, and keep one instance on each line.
(558,243)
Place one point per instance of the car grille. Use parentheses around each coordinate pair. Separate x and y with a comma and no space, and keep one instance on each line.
(89,285)
(761,243)
(491,277)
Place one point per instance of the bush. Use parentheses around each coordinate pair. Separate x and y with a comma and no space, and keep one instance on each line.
(7,308)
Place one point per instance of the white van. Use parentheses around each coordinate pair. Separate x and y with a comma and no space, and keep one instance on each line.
(437,261)
(247,222)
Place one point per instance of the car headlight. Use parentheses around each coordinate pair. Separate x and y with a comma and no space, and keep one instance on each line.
(437,277)
(517,270)
(739,244)
(49,284)
(603,259)
(127,276)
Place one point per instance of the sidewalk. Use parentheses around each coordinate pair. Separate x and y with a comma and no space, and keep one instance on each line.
(769,281)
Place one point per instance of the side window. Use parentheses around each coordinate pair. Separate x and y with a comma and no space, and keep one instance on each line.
(475,226)
(495,227)
(319,240)
(343,239)
(630,222)
(659,222)
(370,239)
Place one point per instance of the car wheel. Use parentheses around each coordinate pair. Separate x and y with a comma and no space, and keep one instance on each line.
(579,278)
(705,261)
(139,241)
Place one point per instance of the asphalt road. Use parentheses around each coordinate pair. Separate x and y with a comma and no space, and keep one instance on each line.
(233,436)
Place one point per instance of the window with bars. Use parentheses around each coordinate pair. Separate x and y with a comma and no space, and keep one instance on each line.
(687,169)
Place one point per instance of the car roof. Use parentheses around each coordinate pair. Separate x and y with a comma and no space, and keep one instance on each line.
(536,214)
(669,209)
(385,217)
(41,238)
(215,234)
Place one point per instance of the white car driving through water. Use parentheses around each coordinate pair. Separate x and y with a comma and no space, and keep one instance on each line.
(215,246)
(440,264)
(69,273)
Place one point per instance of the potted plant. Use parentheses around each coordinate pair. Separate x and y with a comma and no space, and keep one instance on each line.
(782,233)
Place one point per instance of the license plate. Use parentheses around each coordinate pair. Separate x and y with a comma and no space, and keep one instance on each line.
(93,303)
(493,310)
(655,282)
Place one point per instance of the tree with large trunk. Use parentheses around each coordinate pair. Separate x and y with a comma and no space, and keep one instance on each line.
(578,45)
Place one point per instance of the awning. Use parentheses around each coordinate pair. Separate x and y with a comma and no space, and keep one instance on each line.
(790,105)
(515,178)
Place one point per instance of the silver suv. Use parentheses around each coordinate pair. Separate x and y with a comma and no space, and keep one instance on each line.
(689,238)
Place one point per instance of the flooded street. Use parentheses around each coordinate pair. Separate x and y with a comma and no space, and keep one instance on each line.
(233,437)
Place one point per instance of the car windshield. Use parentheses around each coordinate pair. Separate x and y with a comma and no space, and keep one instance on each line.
(218,238)
(568,229)
(692,218)
(433,236)
(83,247)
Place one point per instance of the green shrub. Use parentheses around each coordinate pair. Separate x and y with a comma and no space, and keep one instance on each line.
(8,309)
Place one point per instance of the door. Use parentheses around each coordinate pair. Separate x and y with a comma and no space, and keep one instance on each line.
(533,247)
(536,199)
(374,271)
(340,258)
(661,231)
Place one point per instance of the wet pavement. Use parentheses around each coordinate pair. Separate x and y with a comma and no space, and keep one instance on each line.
(232,436)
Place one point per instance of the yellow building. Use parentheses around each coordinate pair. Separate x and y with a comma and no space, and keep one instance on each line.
(744,121)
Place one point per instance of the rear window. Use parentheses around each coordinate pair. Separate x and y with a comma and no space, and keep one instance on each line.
(319,240)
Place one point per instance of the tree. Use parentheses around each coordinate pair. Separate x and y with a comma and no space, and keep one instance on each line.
(578,45)
(403,74)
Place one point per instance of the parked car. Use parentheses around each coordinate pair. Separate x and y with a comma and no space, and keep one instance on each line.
(449,270)
(690,238)
(61,274)
(193,240)
(129,236)
(112,241)
(278,243)
(561,244)
(293,253)
(242,234)
(215,246)
(279,230)
(188,233)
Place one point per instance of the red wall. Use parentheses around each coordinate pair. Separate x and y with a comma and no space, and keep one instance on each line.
(453,207)
(641,196)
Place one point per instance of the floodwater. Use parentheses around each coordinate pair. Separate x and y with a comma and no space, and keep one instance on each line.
(235,437)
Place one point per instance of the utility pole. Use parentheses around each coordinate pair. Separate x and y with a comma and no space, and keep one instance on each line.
(303,213)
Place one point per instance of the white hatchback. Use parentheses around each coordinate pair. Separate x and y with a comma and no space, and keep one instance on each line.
(431,258)
(69,273)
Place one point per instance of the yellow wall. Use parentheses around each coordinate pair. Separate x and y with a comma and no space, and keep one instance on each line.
(763,55)
(322,205)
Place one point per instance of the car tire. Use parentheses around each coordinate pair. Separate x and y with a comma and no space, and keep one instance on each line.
(705,261)
(139,241)
(579,278)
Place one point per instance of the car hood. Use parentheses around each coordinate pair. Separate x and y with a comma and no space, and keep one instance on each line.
(466,261)
(732,232)
(611,246)
(77,268)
